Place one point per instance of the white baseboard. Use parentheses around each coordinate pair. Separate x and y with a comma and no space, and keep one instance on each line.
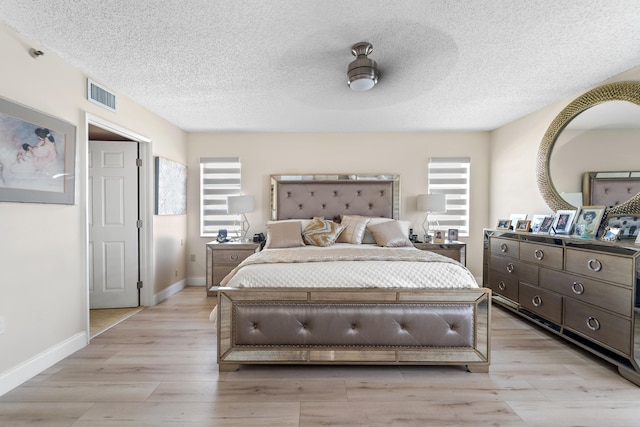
(197,281)
(167,292)
(32,367)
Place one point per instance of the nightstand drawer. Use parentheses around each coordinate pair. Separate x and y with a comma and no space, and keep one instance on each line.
(520,270)
(231,256)
(599,325)
(503,285)
(505,247)
(220,272)
(541,301)
(610,297)
(548,256)
(610,268)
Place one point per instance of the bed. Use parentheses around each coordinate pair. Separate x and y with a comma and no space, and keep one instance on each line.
(348,299)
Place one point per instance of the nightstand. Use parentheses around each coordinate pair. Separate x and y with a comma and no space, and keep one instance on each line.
(454,250)
(224,257)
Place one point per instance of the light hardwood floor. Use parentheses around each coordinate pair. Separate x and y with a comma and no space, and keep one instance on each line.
(159,368)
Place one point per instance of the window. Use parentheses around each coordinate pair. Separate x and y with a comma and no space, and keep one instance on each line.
(450,176)
(219,178)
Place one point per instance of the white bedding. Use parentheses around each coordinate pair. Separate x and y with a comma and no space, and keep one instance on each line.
(353,266)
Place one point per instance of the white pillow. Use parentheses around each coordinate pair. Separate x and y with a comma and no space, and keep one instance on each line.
(368,237)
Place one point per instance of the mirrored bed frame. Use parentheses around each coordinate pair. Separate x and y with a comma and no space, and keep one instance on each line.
(433,312)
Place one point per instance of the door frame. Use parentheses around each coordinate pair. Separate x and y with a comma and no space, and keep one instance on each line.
(145,196)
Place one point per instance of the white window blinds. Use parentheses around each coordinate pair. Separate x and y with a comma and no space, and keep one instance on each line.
(219,178)
(450,176)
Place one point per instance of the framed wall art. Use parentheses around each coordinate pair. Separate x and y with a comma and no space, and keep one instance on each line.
(171,187)
(37,156)
(588,221)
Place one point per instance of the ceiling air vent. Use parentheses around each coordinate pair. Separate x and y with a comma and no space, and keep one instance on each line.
(101,95)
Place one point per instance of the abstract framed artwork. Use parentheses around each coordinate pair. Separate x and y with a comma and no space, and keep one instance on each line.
(37,156)
(171,187)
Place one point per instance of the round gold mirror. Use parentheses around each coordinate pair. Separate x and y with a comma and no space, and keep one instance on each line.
(619,91)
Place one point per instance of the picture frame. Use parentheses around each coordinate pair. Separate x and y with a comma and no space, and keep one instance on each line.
(504,224)
(536,221)
(515,218)
(587,221)
(563,221)
(523,225)
(452,235)
(545,225)
(171,187)
(438,236)
(611,234)
(637,242)
(37,156)
(630,225)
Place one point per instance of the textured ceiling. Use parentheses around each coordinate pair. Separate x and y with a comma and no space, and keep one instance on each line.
(279,65)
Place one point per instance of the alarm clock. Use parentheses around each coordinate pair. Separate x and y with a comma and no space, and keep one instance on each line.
(222,236)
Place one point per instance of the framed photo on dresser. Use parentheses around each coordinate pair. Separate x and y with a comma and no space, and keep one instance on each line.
(588,221)
(563,221)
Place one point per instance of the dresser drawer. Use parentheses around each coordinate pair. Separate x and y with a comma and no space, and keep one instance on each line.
(520,270)
(503,285)
(607,328)
(545,255)
(505,247)
(610,297)
(601,266)
(231,256)
(541,301)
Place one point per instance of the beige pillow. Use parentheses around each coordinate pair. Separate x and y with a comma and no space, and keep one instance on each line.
(321,232)
(368,237)
(389,233)
(355,226)
(285,234)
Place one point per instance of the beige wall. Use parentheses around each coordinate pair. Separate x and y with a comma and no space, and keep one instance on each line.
(514,149)
(43,286)
(263,154)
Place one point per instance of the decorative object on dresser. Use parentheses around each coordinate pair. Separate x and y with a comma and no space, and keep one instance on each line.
(240,205)
(588,221)
(452,235)
(563,221)
(515,218)
(586,291)
(317,304)
(536,222)
(504,224)
(430,203)
(611,234)
(523,225)
(545,225)
(224,257)
(630,225)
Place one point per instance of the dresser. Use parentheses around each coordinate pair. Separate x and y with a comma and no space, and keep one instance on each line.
(454,250)
(224,257)
(585,290)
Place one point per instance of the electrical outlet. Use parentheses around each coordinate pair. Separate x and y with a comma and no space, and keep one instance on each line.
(193,257)
(1,325)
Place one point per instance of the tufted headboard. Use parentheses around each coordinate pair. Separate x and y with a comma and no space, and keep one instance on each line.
(329,196)
(609,188)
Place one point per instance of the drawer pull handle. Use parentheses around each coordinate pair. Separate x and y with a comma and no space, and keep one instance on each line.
(594,265)
(504,247)
(577,288)
(510,268)
(536,301)
(593,323)
(233,257)
(538,254)
(502,286)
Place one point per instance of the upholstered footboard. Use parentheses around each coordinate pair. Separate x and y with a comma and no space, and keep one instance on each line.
(355,326)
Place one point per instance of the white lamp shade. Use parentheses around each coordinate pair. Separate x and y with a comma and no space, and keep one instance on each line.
(432,202)
(239,204)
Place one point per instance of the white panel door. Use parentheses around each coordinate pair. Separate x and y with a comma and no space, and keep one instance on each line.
(113,230)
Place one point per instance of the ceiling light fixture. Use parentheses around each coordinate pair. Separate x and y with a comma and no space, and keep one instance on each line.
(363,72)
